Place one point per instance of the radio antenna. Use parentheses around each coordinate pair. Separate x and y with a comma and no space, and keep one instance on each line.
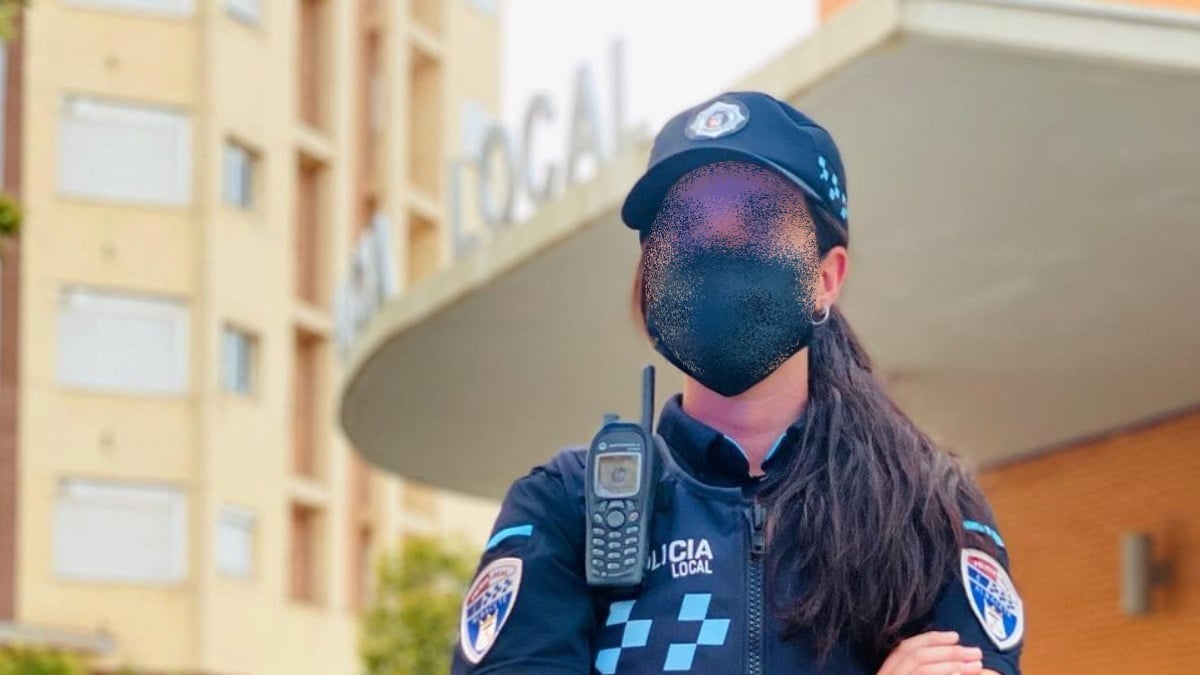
(648,399)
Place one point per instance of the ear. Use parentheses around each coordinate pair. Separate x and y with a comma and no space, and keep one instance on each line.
(834,267)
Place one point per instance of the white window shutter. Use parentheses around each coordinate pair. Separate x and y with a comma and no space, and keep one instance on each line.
(122,343)
(108,532)
(123,152)
(249,11)
(237,176)
(168,7)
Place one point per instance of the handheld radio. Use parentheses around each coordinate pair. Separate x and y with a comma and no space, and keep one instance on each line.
(622,472)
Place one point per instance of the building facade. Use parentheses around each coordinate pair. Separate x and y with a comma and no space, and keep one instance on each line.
(198,179)
(1021,179)
(1064,514)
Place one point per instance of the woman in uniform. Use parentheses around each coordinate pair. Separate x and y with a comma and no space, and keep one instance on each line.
(803,523)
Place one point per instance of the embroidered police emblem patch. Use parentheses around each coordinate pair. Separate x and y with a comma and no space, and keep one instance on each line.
(993,598)
(487,605)
(721,118)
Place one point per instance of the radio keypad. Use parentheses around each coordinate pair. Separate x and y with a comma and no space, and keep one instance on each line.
(615,531)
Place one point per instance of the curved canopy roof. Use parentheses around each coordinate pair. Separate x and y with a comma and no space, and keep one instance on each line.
(1025,251)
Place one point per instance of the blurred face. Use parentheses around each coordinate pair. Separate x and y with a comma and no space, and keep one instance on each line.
(732,275)
(733,204)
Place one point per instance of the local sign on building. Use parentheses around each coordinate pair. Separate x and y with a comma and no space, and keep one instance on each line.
(506,172)
(505,163)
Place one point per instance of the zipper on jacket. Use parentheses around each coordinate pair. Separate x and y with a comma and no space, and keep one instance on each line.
(756,514)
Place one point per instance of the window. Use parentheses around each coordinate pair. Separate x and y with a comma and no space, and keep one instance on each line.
(309,216)
(235,541)
(249,11)
(306,405)
(374,100)
(373,113)
(305,549)
(173,7)
(310,61)
(424,248)
(122,343)
(124,152)
(239,358)
(238,177)
(360,569)
(426,121)
(111,532)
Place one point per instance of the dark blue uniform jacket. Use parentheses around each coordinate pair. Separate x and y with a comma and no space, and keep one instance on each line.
(702,608)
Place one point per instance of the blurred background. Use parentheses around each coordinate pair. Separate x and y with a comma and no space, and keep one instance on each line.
(291,290)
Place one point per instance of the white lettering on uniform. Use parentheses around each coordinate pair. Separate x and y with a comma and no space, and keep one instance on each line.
(677,549)
(686,557)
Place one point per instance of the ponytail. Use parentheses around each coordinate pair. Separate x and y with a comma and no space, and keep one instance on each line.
(868,511)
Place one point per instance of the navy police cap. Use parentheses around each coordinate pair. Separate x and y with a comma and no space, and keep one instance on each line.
(748,126)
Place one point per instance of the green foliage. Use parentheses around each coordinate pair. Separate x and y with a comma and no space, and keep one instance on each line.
(30,661)
(8,13)
(10,216)
(412,623)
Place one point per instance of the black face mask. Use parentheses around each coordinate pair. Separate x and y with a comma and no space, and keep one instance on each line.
(729,317)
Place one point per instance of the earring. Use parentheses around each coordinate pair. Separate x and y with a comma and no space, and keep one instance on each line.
(824,318)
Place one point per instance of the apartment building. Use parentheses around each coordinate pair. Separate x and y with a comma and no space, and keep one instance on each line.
(197,178)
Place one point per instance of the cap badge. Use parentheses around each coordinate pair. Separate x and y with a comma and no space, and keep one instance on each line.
(721,118)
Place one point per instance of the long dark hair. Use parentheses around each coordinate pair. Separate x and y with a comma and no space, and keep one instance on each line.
(867,516)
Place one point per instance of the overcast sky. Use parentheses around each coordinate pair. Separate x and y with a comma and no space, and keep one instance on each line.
(677,53)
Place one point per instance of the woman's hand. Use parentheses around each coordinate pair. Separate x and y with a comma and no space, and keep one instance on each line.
(933,653)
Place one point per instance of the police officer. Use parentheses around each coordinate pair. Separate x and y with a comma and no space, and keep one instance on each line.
(804,524)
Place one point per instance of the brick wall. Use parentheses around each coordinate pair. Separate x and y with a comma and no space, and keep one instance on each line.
(1062,515)
(828,8)
(1184,5)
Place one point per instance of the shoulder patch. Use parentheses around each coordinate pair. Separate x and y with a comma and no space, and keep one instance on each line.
(488,604)
(993,598)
